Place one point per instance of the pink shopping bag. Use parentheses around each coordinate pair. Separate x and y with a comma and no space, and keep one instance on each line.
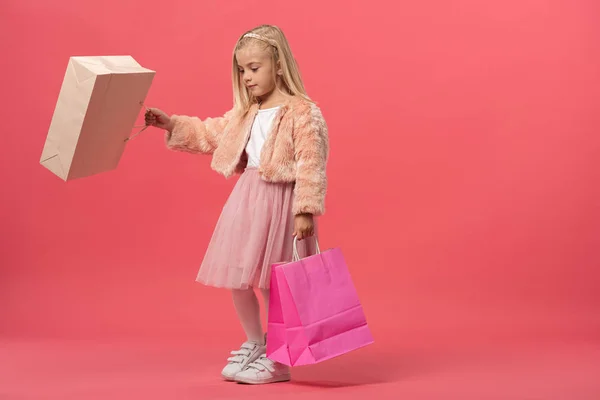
(314,310)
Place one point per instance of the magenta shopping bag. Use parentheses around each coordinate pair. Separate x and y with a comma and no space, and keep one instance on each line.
(314,310)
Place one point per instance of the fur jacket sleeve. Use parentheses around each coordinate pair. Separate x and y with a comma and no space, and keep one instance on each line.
(311,151)
(193,135)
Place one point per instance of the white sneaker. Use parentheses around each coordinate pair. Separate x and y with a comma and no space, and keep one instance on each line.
(264,370)
(240,359)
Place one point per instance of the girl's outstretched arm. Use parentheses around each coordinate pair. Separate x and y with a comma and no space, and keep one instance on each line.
(193,135)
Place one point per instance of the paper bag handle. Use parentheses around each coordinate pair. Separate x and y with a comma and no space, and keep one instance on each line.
(296,256)
(144,127)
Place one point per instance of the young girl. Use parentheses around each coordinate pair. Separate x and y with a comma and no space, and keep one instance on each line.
(276,137)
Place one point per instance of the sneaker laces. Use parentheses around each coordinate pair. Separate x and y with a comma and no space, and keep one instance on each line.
(240,356)
(263,364)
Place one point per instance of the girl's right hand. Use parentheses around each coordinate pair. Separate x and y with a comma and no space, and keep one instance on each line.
(159,119)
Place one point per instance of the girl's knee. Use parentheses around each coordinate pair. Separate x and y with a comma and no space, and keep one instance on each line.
(243,292)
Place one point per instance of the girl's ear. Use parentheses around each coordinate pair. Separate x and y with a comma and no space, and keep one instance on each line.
(279,70)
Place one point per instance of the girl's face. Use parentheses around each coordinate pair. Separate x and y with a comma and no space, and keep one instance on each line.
(256,70)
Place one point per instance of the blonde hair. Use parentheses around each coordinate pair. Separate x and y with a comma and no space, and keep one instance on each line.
(272,40)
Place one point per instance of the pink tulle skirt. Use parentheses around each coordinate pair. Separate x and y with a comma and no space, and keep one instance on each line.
(253,232)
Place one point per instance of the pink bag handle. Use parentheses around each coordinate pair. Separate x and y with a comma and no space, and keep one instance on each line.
(296,255)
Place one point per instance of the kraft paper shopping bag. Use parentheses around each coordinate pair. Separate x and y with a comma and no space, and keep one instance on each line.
(99,102)
(314,310)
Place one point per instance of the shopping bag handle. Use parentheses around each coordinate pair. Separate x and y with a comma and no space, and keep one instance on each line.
(144,127)
(296,255)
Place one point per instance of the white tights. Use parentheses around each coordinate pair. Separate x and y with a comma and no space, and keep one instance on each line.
(248,311)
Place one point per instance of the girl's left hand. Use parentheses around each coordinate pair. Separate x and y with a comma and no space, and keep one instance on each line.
(304,226)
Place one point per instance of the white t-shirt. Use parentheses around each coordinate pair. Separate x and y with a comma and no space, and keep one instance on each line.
(258,135)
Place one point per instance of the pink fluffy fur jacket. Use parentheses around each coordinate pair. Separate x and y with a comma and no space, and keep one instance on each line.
(296,149)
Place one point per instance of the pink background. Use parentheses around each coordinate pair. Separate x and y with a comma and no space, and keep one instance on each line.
(464,173)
